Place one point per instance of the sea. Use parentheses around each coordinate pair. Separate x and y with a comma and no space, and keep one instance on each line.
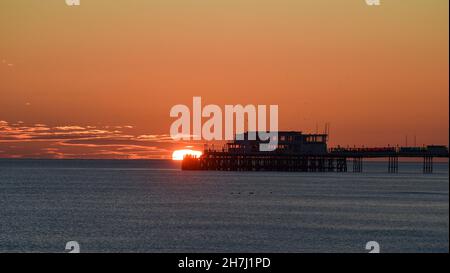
(154,206)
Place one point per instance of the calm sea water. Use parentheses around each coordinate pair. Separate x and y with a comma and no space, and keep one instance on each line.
(152,206)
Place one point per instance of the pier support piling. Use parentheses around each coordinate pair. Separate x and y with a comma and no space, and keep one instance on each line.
(341,164)
(428,164)
(393,164)
(357,164)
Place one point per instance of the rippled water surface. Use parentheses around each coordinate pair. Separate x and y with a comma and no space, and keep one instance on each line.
(152,206)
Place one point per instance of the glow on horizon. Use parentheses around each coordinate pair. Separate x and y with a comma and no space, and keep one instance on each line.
(180,154)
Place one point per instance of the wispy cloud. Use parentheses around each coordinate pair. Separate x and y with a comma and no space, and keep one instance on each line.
(6,63)
(70,128)
(82,141)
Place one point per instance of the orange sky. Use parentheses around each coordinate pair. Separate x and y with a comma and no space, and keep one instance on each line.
(113,69)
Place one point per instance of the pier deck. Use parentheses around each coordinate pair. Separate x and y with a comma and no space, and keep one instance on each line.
(334,160)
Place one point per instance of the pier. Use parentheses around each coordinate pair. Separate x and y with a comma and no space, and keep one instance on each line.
(298,152)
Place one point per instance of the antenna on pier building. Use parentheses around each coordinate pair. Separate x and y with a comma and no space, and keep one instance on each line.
(328,130)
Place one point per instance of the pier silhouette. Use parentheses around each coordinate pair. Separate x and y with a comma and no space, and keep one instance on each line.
(298,152)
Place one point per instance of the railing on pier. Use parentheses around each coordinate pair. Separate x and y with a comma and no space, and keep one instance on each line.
(334,160)
(433,151)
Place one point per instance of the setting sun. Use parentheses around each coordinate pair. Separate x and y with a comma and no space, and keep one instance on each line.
(180,154)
